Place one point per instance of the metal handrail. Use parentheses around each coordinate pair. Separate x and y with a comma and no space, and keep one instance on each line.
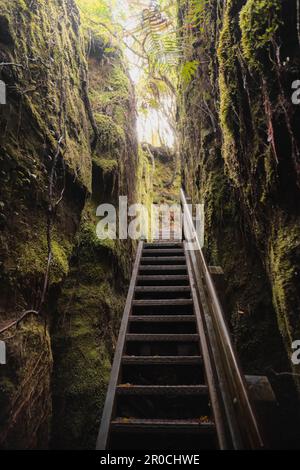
(242,424)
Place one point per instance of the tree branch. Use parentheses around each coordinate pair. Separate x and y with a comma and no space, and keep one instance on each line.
(19,320)
(5,64)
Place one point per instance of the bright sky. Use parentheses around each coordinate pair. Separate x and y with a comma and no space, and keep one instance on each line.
(154,124)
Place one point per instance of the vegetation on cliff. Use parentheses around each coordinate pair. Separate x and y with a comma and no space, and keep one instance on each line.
(214,79)
(240,153)
(91,301)
(45,153)
(68,144)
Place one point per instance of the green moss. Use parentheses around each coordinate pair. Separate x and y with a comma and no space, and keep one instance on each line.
(89,312)
(259,21)
(228,164)
(108,166)
(47,101)
(34,255)
(227,53)
(115,90)
(227,95)
(46,38)
(284,265)
(56,66)
(252,30)
(145,179)
(110,93)
(111,134)
(60,260)
(92,307)
(87,239)
(83,386)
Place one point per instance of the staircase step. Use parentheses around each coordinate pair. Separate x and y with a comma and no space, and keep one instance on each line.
(182,338)
(163,267)
(128,389)
(162,319)
(168,278)
(163,260)
(163,251)
(162,306)
(162,302)
(163,245)
(151,360)
(153,270)
(162,292)
(161,324)
(162,289)
(161,425)
(163,370)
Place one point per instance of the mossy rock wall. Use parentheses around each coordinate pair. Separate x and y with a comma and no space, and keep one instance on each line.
(261,139)
(48,80)
(92,300)
(42,44)
(240,157)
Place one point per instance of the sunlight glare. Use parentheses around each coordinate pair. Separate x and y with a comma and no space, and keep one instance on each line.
(153,127)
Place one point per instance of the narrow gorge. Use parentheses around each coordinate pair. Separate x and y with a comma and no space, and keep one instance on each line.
(102,100)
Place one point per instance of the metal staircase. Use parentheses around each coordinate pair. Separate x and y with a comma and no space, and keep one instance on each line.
(166,389)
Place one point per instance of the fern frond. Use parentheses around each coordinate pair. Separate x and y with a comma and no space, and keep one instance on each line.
(188,71)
